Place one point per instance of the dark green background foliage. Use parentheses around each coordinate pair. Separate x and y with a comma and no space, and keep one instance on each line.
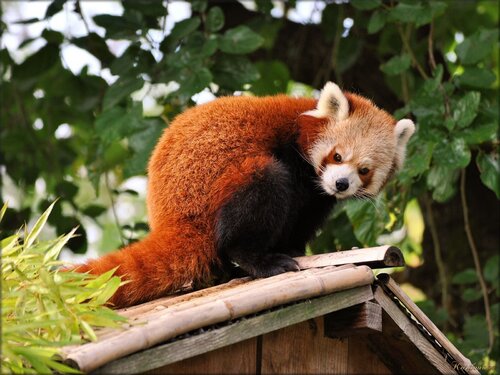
(406,56)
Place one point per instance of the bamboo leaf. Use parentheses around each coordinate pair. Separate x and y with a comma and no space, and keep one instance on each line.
(53,253)
(108,291)
(88,330)
(101,279)
(2,211)
(31,237)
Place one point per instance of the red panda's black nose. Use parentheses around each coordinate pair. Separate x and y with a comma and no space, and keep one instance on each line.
(342,184)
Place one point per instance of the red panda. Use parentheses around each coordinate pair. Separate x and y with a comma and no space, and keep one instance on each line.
(249,180)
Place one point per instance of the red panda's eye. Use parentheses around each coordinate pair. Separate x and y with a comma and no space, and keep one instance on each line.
(337,158)
(364,171)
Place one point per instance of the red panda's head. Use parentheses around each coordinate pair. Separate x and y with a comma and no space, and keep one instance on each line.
(354,146)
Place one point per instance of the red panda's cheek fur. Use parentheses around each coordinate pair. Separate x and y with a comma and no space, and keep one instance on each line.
(366,179)
(310,129)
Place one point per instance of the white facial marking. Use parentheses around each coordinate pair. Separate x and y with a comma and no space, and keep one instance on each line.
(334,173)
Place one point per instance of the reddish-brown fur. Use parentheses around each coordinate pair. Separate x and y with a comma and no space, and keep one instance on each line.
(201,159)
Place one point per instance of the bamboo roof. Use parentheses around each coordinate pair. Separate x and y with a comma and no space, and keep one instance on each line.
(187,324)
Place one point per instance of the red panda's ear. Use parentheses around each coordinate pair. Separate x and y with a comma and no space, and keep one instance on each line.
(332,103)
(403,130)
(310,129)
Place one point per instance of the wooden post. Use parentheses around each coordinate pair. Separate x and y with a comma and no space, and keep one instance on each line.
(362,319)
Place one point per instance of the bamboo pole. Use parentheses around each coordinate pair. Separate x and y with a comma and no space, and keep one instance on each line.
(251,297)
(374,257)
(183,302)
(151,310)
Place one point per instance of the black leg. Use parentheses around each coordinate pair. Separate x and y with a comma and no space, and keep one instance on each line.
(251,223)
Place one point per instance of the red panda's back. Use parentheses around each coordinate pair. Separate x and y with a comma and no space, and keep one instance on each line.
(205,141)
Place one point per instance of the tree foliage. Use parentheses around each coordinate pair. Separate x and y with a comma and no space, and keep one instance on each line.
(433,61)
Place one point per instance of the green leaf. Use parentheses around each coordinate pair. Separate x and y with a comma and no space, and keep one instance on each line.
(452,154)
(419,158)
(38,63)
(477,47)
(198,5)
(467,276)
(240,40)
(465,110)
(101,280)
(490,170)
(232,72)
(37,228)
(368,219)
(109,289)
(142,144)
(476,77)
(54,251)
(396,65)
(215,19)
(365,4)
(52,36)
(120,90)
(471,295)
(2,211)
(491,272)
(66,190)
(94,210)
(193,81)
(87,328)
(476,332)
(442,181)
(97,46)
(27,21)
(55,7)
(481,133)
(417,13)
(377,21)
(116,123)
(152,8)
(181,30)
(274,77)
(118,27)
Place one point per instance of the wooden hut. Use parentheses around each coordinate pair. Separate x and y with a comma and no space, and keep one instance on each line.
(332,317)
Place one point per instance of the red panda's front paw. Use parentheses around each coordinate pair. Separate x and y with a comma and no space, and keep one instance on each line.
(274,264)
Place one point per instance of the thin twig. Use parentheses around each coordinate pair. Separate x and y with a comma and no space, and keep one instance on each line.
(117,222)
(430,46)
(407,46)
(438,255)
(79,11)
(432,62)
(477,262)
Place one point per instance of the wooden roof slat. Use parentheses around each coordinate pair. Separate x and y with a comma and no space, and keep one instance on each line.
(427,323)
(248,298)
(408,335)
